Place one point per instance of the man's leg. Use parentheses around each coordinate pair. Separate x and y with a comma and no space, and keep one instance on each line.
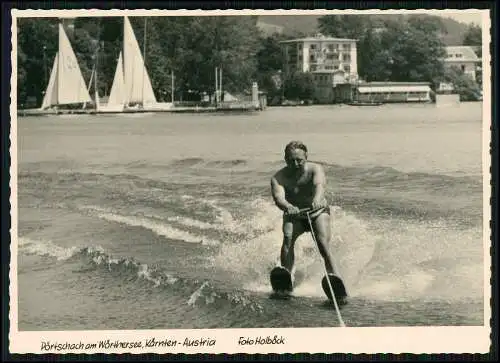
(322,232)
(291,231)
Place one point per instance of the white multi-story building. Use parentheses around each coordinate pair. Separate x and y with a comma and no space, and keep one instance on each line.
(322,55)
(464,58)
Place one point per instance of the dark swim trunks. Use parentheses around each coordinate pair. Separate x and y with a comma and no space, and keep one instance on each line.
(302,217)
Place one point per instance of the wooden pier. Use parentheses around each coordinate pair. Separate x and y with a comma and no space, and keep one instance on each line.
(226,107)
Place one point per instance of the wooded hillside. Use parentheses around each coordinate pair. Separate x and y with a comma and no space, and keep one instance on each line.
(299,25)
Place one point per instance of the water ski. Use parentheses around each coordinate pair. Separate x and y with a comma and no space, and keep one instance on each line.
(337,286)
(281,281)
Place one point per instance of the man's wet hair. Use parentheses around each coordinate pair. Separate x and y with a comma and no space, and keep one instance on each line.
(295,145)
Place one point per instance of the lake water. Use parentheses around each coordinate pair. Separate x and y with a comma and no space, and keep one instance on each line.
(166,221)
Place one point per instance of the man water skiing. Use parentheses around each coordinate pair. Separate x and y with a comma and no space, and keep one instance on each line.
(300,185)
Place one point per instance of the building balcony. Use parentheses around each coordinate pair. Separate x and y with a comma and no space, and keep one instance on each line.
(328,62)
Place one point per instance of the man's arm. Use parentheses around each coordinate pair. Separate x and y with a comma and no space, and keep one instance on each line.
(319,185)
(278,193)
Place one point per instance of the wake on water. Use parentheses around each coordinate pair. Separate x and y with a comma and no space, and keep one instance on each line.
(205,292)
(383,263)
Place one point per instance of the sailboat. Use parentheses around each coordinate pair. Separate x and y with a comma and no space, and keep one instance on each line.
(131,83)
(66,84)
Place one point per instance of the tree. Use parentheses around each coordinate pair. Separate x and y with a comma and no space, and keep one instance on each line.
(269,55)
(85,47)
(473,37)
(204,43)
(344,26)
(425,23)
(102,38)
(300,86)
(462,83)
(269,65)
(37,46)
(402,51)
(415,51)
(373,60)
(21,77)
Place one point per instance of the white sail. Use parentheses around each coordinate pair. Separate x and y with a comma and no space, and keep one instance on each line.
(50,97)
(137,82)
(117,95)
(72,88)
(68,85)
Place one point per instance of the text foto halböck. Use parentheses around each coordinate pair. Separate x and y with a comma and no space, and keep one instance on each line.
(261,340)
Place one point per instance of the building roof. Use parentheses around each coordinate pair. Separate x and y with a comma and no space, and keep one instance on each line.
(319,39)
(384,89)
(389,84)
(461,53)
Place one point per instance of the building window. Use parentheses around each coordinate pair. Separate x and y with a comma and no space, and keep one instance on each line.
(313,47)
(334,56)
(347,69)
(463,68)
(346,46)
(335,67)
(346,57)
(311,57)
(330,47)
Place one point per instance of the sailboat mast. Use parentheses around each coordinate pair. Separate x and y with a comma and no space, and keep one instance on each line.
(144,56)
(173,87)
(96,67)
(125,78)
(96,84)
(216,86)
(59,62)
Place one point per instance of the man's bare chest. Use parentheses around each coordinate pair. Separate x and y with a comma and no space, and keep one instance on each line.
(298,185)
